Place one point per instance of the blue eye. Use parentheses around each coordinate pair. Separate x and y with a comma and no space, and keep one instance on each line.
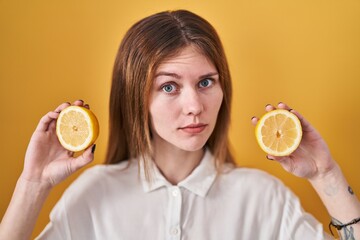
(168,88)
(205,83)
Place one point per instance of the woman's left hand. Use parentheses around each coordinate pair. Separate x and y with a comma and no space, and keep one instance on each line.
(312,159)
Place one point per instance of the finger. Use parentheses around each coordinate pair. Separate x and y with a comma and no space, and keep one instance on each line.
(81,103)
(269,107)
(282,105)
(276,158)
(46,120)
(304,123)
(62,107)
(254,120)
(56,112)
(50,117)
(306,126)
(285,162)
(70,153)
(86,158)
(78,103)
(52,124)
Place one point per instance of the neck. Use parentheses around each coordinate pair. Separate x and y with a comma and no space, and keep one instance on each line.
(176,164)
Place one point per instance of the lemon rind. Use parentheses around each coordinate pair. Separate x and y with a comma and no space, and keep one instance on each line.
(91,120)
(269,150)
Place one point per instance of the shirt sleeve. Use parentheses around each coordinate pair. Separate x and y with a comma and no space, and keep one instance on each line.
(71,218)
(295,222)
(270,210)
(58,227)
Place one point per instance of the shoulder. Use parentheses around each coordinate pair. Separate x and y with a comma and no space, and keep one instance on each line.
(249,175)
(259,191)
(100,178)
(117,170)
(84,201)
(263,196)
(105,171)
(253,181)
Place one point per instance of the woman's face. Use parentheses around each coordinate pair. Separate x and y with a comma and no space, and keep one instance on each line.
(185,100)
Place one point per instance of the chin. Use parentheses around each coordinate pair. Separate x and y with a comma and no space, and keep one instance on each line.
(191,147)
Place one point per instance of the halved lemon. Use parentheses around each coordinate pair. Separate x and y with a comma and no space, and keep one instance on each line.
(77,128)
(278,132)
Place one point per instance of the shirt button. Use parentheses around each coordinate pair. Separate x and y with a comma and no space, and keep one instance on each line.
(175,192)
(174,231)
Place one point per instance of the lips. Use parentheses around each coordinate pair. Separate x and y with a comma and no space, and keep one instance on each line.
(194,128)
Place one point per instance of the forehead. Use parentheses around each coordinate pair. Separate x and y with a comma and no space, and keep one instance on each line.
(188,58)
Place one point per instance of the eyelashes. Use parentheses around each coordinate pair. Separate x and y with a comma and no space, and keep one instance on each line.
(173,87)
(207,82)
(169,88)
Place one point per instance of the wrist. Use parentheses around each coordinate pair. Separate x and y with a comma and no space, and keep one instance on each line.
(340,201)
(330,183)
(34,185)
(20,217)
(336,195)
(332,171)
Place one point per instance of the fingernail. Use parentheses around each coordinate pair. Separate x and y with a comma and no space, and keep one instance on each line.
(253,117)
(267,104)
(290,109)
(280,103)
(93,148)
(81,100)
(269,158)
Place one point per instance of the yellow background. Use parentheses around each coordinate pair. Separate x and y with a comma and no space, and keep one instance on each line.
(302,52)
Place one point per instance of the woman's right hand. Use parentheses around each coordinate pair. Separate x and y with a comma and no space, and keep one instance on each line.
(46,160)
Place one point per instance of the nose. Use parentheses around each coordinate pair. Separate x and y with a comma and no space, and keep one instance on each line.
(192,103)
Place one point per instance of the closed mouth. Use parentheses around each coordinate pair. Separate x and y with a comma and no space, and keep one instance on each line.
(194,128)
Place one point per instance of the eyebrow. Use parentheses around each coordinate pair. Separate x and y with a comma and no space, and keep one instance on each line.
(174,75)
(168,74)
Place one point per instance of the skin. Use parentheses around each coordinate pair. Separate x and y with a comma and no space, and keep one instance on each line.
(185,100)
(46,164)
(59,163)
(312,148)
(313,161)
(177,151)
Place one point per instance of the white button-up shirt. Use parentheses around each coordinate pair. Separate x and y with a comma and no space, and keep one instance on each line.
(115,202)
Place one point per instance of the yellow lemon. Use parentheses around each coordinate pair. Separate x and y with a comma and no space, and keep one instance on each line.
(278,132)
(77,128)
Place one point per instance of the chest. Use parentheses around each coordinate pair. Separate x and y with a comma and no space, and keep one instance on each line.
(176,213)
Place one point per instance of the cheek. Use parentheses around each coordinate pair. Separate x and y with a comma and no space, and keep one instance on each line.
(160,111)
(154,121)
(153,113)
(221,98)
(214,103)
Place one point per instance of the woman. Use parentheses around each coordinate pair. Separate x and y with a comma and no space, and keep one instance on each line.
(170,174)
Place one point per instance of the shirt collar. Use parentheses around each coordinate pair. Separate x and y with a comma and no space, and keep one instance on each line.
(198,182)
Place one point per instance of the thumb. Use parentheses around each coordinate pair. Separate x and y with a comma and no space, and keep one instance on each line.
(86,158)
(286,162)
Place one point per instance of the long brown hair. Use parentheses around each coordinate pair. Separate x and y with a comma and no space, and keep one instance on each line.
(146,44)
